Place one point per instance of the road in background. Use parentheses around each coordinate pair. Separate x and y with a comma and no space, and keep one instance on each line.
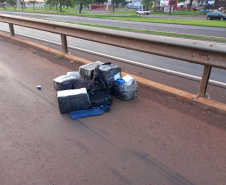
(196,30)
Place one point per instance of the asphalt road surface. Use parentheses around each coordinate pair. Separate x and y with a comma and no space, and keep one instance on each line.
(151,140)
(197,30)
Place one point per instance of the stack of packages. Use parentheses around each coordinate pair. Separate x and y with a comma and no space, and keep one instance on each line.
(92,88)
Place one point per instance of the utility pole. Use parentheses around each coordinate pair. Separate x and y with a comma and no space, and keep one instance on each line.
(170,7)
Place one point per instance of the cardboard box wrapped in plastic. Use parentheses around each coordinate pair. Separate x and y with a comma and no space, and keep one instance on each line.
(72,100)
(64,82)
(86,71)
(125,88)
(74,73)
(110,73)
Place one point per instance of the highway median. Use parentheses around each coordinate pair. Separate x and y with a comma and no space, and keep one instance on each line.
(172,34)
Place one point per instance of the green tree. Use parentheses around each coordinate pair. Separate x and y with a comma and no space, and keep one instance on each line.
(100,1)
(147,3)
(33,3)
(12,2)
(116,3)
(82,3)
(60,3)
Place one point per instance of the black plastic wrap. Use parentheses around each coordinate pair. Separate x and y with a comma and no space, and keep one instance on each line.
(86,71)
(72,100)
(98,98)
(79,83)
(126,91)
(110,73)
(64,82)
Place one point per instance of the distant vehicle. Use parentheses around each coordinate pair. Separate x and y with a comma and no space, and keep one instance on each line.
(139,12)
(216,15)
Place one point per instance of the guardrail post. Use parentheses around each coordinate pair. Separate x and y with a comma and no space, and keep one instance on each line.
(204,81)
(11,29)
(64,43)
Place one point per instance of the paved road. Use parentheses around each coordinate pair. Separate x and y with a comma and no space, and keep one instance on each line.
(197,30)
(148,141)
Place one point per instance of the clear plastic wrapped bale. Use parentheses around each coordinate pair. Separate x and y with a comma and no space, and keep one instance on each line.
(110,73)
(72,100)
(86,71)
(74,73)
(125,88)
(64,82)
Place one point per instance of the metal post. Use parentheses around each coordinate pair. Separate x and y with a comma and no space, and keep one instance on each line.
(204,81)
(64,43)
(11,29)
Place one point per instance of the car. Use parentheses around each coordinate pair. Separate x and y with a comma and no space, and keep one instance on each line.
(139,12)
(216,15)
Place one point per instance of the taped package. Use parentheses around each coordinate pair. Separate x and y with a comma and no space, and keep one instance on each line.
(125,88)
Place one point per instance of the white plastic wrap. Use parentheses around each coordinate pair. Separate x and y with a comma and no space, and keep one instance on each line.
(72,100)
(110,73)
(127,90)
(74,73)
(86,71)
(64,82)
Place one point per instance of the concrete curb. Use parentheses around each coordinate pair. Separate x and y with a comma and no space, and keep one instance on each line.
(170,91)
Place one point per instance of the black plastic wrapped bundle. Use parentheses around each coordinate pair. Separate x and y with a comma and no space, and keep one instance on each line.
(98,98)
(86,71)
(110,73)
(72,100)
(125,88)
(74,73)
(64,82)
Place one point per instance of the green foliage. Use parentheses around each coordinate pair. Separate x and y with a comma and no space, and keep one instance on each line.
(116,3)
(12,2)
(100,1)
(82,3)
(147,3)
(59,56)
(60,3)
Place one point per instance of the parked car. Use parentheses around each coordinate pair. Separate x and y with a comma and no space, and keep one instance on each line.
(216,15)
(139,12)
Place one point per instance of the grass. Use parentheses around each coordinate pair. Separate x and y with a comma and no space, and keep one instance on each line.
(174,13)
(59,56)
(151,32)
(134,17)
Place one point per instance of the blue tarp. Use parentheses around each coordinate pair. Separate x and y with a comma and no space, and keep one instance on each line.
(94,111)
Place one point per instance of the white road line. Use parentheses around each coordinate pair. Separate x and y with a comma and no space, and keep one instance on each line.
(128,61)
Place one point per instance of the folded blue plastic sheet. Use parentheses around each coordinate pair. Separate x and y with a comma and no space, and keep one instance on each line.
(94,111)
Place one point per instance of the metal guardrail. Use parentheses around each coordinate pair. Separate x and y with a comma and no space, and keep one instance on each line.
(199,52)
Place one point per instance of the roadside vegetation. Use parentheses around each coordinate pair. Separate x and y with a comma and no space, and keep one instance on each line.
(150,32)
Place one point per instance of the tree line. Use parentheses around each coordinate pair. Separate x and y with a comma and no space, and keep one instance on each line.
(67,3)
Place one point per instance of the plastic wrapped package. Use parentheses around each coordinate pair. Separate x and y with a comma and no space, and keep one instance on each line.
(86,71)
(110,73)
(98,98)
(72,100)
(79,83)
(125,88)
(74,73)
(64,82)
